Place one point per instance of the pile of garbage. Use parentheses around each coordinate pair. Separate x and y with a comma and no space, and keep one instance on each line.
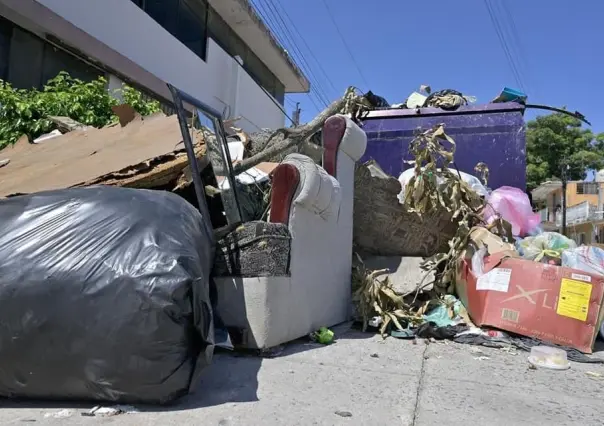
(491,276)
(494,277)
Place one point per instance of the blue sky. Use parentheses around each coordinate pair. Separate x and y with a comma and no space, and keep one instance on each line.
(400,44)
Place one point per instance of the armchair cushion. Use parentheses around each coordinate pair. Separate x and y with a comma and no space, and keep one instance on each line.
(318,192)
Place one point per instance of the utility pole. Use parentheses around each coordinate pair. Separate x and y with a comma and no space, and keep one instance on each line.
(296,115)
(564,170)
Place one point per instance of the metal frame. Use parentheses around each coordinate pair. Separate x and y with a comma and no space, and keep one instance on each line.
(179,98)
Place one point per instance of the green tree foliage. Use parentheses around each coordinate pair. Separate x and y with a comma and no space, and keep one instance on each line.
(558,140)
(26,112)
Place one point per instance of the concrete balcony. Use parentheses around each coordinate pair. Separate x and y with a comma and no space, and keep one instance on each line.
(580,213)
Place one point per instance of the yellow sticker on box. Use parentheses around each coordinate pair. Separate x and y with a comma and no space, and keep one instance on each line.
(574,299)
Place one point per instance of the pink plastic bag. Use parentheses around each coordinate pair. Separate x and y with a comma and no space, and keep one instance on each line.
(512,205)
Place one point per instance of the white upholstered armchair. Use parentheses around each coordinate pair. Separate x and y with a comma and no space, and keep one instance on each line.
(315,204)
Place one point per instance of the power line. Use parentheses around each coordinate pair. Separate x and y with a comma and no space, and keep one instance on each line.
(523,62)
(296,47)
(354,61)
(296,50)
(293,24)
(504,45)
(262,12)
(270,19)
(513,28)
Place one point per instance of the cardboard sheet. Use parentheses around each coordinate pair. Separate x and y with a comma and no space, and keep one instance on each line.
(144,154)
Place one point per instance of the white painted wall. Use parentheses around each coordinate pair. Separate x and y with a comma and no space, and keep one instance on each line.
(219,81)
(253,103)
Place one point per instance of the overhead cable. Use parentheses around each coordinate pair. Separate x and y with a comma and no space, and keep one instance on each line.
(354,61)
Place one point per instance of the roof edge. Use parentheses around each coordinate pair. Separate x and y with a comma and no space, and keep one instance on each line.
(242,17)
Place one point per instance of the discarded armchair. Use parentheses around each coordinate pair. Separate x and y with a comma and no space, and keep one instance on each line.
(311,220)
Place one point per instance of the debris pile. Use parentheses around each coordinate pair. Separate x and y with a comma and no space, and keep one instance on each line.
(447,99)
(375,296)
(490,276)
(498,279)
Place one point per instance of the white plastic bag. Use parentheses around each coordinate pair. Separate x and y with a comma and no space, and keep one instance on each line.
(472,181)
(478,261)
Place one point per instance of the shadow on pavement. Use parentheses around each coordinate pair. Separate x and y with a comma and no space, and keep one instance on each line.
(232,377)
(599,347)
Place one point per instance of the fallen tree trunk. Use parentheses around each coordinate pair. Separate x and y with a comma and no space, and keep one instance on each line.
(295,136)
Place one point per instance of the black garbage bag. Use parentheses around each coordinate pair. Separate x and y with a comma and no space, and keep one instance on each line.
(375,100)
(104,295)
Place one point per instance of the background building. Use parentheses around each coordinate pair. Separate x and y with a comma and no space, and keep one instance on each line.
(218,51)
(584,208)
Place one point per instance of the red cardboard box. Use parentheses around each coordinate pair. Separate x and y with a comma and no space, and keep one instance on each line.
(551,303)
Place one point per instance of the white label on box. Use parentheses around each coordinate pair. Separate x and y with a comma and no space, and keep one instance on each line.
(497,279)
(581,277)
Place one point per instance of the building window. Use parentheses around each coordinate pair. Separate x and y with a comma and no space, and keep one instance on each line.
(587,188)
(6,33)
(191,29)
(279,92)
(31,62)
(193,21)
(57,60)
(164,12)
(184,19)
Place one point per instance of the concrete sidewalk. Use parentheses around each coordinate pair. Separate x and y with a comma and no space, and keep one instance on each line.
(364,380)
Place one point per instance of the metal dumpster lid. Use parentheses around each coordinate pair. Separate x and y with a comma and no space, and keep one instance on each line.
(427,112)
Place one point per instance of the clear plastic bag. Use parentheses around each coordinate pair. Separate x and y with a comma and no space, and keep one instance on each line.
(585,258)
(544,247)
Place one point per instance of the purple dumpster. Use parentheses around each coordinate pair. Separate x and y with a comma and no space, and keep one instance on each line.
(492,133)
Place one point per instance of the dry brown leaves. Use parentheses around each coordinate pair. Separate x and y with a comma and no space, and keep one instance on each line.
(436,186)
(373,295)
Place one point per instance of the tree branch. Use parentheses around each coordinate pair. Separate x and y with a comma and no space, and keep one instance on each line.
(292,136)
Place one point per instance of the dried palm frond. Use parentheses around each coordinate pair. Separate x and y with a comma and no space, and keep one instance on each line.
(435,186)
(374,296)
(482,169)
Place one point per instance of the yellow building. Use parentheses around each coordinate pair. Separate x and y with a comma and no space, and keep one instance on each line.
(584,209)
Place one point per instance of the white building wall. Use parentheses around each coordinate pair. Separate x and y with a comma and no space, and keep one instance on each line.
(122,26)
